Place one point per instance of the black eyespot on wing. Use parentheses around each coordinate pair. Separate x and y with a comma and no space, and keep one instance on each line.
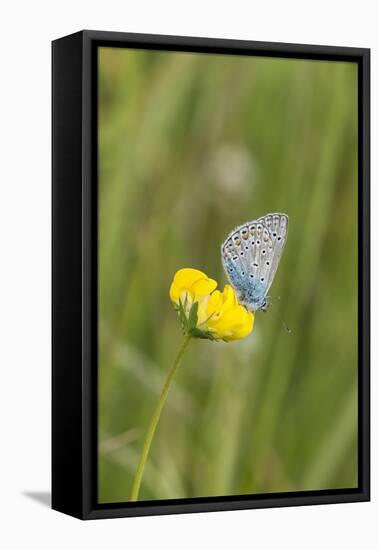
(267,263)
(262,279)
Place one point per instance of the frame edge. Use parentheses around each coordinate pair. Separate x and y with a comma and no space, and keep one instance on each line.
(67,474)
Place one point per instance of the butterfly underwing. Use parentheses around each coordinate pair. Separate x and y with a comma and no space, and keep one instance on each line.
(250,256)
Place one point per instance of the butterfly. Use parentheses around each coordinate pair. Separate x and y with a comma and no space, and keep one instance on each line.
(250,256)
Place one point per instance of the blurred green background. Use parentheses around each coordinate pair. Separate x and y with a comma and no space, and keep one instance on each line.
(191,145)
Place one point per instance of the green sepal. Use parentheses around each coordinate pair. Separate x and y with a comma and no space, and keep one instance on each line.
(182,316)
(204,334)
(189,324)
(192,317)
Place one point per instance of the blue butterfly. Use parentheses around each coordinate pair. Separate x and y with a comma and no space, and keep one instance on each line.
(250,256)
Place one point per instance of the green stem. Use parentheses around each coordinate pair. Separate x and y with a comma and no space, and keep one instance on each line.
(154,422)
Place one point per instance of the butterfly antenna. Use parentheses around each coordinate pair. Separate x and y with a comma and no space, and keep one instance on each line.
(281,318)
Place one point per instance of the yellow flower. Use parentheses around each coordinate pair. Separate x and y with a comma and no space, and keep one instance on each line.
(206,312)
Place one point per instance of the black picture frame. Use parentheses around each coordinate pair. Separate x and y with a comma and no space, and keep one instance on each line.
(74,273)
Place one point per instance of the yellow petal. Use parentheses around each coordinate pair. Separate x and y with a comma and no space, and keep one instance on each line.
(203,287)
(229,298)
(192,283)
(228,320)
(174,293)
(202,313)
(233,324)
(231,295)
(215,303)
(186,277)
(244,329)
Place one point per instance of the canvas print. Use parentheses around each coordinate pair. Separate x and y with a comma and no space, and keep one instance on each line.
(227,275)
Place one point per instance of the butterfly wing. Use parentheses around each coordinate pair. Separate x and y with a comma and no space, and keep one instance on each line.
(277,225)
(250,256)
